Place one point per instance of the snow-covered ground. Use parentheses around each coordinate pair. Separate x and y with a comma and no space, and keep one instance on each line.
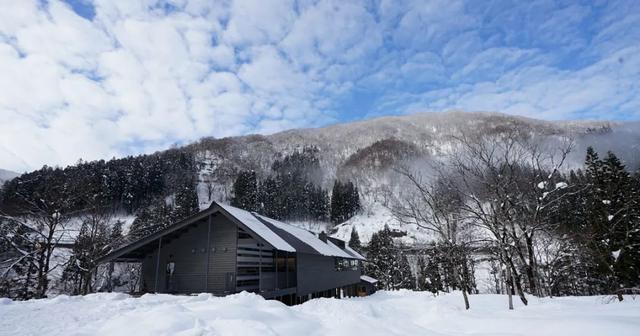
(384,313)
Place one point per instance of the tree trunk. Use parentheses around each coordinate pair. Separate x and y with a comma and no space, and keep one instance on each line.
(41,275)
(25,290)
(86,286)
(110,277)
(466,299)
(45,275)
(44,259)
(499,278)
(518,284)
(509,284)
(516,281)
(531,274)
(459,279)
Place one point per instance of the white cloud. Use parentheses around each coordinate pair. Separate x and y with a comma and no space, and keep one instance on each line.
(139,77)
(436,22)
(143,74)
(545,92)
(62,36)
(329,32)
(259,22)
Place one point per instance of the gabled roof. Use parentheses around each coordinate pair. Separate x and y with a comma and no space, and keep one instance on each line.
(306,241)
(354,253)
(278,235)
(258,227)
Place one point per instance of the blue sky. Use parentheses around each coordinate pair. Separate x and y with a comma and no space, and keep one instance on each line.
(96,79)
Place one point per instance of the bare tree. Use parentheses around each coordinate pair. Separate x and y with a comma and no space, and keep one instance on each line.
(33,237)
(436,207)
(485,178)
(536,190)
(507,182)
(93,242)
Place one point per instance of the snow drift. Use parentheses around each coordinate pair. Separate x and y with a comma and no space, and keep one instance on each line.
(384,313)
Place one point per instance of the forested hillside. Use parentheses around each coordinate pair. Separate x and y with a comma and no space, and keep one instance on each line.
(436,200)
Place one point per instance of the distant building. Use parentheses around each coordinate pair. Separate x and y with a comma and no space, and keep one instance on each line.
(224,250)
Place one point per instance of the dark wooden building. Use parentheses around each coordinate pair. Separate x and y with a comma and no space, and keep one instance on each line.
(224,250)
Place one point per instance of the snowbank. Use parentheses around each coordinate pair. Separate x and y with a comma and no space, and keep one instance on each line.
(385,313)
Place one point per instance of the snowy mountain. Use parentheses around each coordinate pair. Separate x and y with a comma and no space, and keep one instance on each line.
(350,147)
(364,152)
(291,176)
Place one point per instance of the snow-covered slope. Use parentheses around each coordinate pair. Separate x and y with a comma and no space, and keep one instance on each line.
(373,219)
(384,313)
(363,152)
(429,133)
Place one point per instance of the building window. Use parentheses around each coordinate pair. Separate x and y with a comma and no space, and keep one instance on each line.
(342,264)
(281,265)
(291,261)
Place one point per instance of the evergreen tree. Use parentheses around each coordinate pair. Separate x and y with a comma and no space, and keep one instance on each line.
(129,183)
(354,240)
(269,199)
(185,201)
(423,280)
(318,203)
(402,276)
(19,279)
(337,203)
(245,191)
(115,240)
(91,244)
(611,229)
(116,232)
(291,192)
(381,258)
(429,274)
(345,201)
(150,220)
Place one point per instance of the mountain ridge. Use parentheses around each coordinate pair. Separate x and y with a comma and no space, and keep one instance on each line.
(363,152)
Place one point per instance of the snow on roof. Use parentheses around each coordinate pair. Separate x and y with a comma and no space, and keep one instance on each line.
(327,249)
(342,252)
(354,253)
(258,227)
(368,279)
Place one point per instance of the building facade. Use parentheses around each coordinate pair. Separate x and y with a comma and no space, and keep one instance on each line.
(224,250)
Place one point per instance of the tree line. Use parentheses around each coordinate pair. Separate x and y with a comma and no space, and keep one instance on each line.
(77,207)
(292,191)
(80,207)
(438,268)
(544,230)
(506,198)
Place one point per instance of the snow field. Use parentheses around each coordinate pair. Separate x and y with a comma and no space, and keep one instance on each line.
(385,313)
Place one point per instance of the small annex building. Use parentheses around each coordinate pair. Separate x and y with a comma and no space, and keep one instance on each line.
(368,285)
(224,250)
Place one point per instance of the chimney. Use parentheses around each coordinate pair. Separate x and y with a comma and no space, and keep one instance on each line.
(322,236)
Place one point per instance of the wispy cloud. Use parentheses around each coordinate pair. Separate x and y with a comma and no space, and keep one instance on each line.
(95,79)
